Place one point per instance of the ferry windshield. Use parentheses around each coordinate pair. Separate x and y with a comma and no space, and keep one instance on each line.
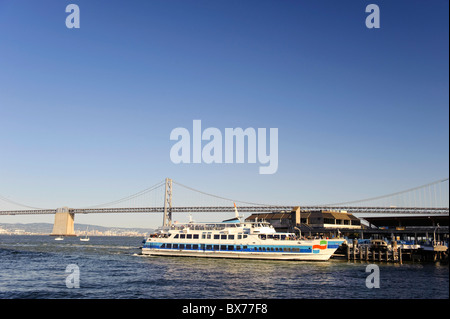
(216,226)
(286,236)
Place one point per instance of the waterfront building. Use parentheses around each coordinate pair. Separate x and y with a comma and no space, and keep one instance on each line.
(313,221)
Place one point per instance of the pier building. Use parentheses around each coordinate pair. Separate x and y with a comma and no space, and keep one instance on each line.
(312,221)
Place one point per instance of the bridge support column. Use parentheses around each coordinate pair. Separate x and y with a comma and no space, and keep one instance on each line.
(167,221)
(64,221)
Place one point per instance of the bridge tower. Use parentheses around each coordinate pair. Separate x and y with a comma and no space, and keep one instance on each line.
(168,203)
(64,221)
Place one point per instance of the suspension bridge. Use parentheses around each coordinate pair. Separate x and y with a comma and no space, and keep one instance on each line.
(426,200)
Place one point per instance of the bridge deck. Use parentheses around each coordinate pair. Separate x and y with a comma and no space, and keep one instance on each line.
(243,209)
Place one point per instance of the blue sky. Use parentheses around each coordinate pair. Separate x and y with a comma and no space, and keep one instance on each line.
(86,114)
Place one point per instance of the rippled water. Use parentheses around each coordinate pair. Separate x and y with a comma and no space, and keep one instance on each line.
(110,267)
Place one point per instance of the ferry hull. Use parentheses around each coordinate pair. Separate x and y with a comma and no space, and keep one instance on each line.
(323,256)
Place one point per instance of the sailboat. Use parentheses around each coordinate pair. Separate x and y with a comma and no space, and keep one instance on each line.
(86,238)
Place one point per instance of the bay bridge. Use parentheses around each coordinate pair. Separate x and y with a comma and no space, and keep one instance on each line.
(426,200)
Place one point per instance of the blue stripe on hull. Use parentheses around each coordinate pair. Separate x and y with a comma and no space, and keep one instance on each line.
(244,248)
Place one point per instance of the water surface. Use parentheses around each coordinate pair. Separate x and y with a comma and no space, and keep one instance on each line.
(110,267)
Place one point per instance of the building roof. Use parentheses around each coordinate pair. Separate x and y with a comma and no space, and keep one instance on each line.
(408,221)
(288,215)
(268,216)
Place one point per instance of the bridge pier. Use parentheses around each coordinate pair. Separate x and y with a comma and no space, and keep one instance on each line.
(167,221)
(64,223)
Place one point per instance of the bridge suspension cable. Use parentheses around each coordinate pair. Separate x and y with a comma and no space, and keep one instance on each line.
(432,197)
(220,197)
(11,202)
(130,197)
(428,195)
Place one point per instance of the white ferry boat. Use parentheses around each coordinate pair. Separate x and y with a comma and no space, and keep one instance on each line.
(236,239)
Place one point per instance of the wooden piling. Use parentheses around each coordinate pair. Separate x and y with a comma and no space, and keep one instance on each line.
(395,254)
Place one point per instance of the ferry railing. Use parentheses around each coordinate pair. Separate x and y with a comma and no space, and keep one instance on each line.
(202,226)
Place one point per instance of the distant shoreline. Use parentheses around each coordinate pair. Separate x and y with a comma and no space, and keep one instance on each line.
(80,230)
(76,236)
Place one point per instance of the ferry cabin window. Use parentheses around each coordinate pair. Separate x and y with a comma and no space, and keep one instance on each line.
(181,246)
(208,247)
(230,247)
(223,247)
(195,236)
(239,236)
(188,246)
(230,236)
(195,247)
(169,246)
(216,236)
(223,236)
(176,236)
(182,236)
(175,246)
(238,247)
(216,247)
(189,236)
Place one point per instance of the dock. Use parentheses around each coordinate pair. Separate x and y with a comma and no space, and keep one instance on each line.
(355,251)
